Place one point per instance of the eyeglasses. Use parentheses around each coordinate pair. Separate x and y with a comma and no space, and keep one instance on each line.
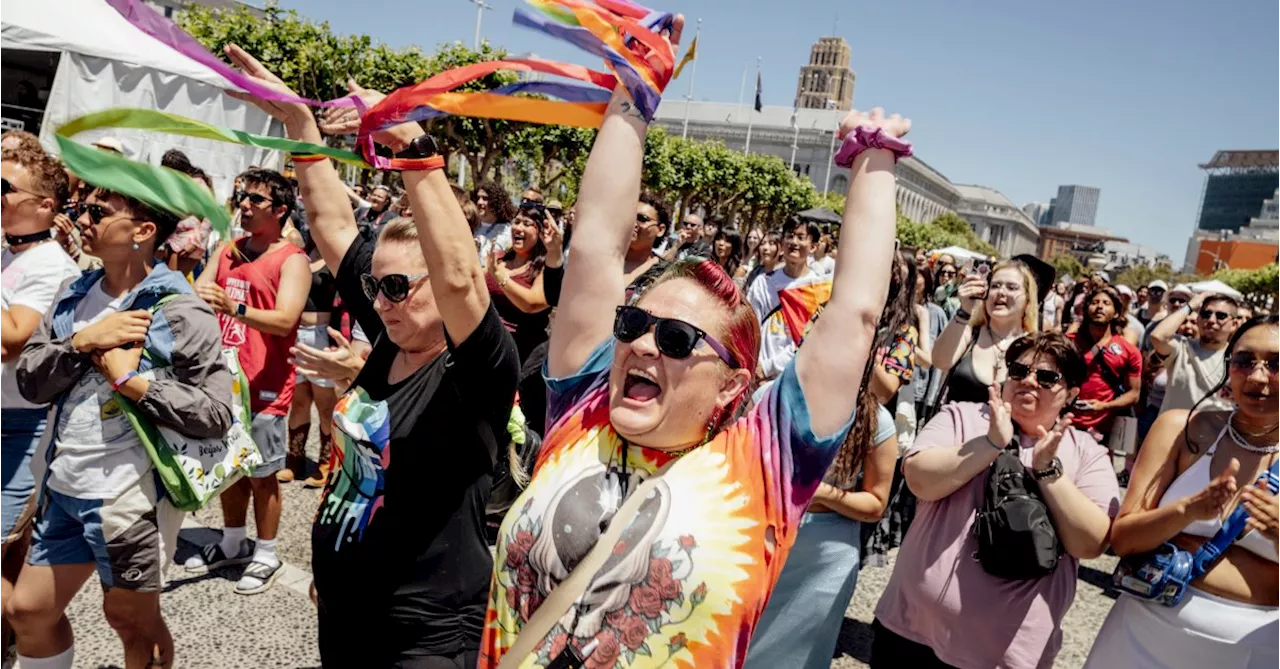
(675,338)
(254,198)
(7,187)
(394,287)
(98,212)
(1009,288)
(1244,362)
(1045,378)
(947,272)
(1208,314)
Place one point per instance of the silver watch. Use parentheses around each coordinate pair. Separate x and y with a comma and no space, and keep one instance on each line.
(1052,473)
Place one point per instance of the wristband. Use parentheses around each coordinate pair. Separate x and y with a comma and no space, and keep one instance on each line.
(994,445)
(115,385)
(863,138)
(307,157)
(420,164)
(962,315)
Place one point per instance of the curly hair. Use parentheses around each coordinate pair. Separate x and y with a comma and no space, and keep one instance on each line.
(499,202)
(47,173)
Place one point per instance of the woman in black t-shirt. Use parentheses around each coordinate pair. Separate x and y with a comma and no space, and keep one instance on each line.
(398,549)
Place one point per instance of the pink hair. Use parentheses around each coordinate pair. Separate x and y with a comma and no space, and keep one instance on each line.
(741,332)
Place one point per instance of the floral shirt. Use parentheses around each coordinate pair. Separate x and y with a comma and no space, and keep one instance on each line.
(693,570)
(900,357)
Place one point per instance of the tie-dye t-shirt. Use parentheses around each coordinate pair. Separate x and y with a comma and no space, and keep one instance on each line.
(785,307)
(692,572)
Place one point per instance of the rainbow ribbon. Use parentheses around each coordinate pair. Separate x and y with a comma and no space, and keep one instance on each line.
(609,29)
(162,187)
(151,22)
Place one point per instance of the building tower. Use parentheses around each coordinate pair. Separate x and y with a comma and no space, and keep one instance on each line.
(1076,204)
(826,82)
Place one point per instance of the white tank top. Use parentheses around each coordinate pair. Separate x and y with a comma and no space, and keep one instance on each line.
(1193,481)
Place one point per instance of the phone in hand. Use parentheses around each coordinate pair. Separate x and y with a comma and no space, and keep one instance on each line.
(984,268)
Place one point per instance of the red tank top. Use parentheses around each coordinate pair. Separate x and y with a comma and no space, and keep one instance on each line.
(264,357)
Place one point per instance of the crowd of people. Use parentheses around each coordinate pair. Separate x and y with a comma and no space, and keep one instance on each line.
(619,440)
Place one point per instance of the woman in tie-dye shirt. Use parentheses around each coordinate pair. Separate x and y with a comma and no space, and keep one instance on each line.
(691,574)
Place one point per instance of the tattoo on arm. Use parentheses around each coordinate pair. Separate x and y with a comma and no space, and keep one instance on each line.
(631,110)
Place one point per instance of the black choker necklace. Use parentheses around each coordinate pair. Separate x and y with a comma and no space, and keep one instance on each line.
(18,240)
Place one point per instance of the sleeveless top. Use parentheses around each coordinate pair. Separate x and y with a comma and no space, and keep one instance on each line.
(527,329)
(263,357)
(323,290)
(1193,481)
(963,384)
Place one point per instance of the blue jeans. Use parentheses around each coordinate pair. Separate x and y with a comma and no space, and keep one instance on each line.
(20,432)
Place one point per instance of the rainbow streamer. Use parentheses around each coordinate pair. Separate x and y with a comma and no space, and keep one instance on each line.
(609,29)
(161,187)
(151,22)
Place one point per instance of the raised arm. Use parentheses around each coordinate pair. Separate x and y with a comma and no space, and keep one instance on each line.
(329,215)
(831,362)
(593,282)
(1163,333)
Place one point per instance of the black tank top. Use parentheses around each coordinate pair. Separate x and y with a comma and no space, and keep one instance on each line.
(323,290)
(963,384)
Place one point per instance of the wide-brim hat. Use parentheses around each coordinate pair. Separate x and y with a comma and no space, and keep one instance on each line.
(1042,271)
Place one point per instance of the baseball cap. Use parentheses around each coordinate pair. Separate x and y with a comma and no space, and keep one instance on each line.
(110,144)
(1158,284)
(1105,277)
(1126,291)
(1180,289)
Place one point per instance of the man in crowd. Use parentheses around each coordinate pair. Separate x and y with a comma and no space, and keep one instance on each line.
(786,298)
(1151,308)
(258,285)
(691,242)
(1195,366)
(35,267)
(1174,299)
(496,213)
(100,508)
(1115,381)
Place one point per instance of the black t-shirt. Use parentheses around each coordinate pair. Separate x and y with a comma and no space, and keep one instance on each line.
(398,544)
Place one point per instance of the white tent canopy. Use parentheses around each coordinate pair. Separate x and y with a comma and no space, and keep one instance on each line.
(106,62)
(1215,287)
(959,253)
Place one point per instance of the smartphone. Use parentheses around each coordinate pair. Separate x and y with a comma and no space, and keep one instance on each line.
(984,268)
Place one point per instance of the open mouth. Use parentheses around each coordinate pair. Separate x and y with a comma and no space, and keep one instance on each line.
(640,387)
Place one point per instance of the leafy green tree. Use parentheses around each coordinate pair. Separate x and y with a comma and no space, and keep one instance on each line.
(1259,286)
(1067,265)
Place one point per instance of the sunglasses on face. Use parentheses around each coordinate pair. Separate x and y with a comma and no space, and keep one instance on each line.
(254,198)
(394,287)
(1245,362)
(643,218)
(675,339)
(1045,378)
(1177,302)
(7,187)
(97,212)
(1208,315)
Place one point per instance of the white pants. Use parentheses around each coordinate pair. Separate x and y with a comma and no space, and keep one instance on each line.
(1202,631)
(905,421)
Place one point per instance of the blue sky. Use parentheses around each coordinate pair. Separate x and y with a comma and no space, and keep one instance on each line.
(1021,96)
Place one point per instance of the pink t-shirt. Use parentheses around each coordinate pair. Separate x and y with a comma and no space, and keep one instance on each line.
(940,596)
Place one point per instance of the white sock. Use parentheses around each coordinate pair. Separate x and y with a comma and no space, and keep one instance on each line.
(232,537)
(60,661)
(266,552)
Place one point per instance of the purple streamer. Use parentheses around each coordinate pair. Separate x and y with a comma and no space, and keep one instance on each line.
(151,22)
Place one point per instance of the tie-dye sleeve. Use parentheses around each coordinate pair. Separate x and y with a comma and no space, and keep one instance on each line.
(565,393)
(793,457)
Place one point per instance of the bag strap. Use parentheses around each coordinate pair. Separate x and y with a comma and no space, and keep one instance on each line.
(1211,551)
(941,397)
(562,597)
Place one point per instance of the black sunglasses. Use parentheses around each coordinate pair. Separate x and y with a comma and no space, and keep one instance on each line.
(394,287)
(1177,301)
(1209,314)
(1245,362)
(675,338)
(1045,378)
(97,212)
(7,187)
(643,218)
(254,198)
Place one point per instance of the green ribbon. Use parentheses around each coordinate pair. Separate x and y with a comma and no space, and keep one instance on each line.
(161,187)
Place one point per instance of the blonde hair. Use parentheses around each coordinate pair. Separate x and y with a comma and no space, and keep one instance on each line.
(1030,313)
(399,229)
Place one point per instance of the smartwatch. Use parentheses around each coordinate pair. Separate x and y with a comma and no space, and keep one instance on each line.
(422,146)
(1052,473)
(241,309)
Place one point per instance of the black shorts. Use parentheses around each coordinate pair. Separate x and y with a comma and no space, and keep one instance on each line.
(351,636)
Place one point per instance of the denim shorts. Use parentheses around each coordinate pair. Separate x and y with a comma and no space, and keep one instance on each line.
(129,539)
(20,432)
